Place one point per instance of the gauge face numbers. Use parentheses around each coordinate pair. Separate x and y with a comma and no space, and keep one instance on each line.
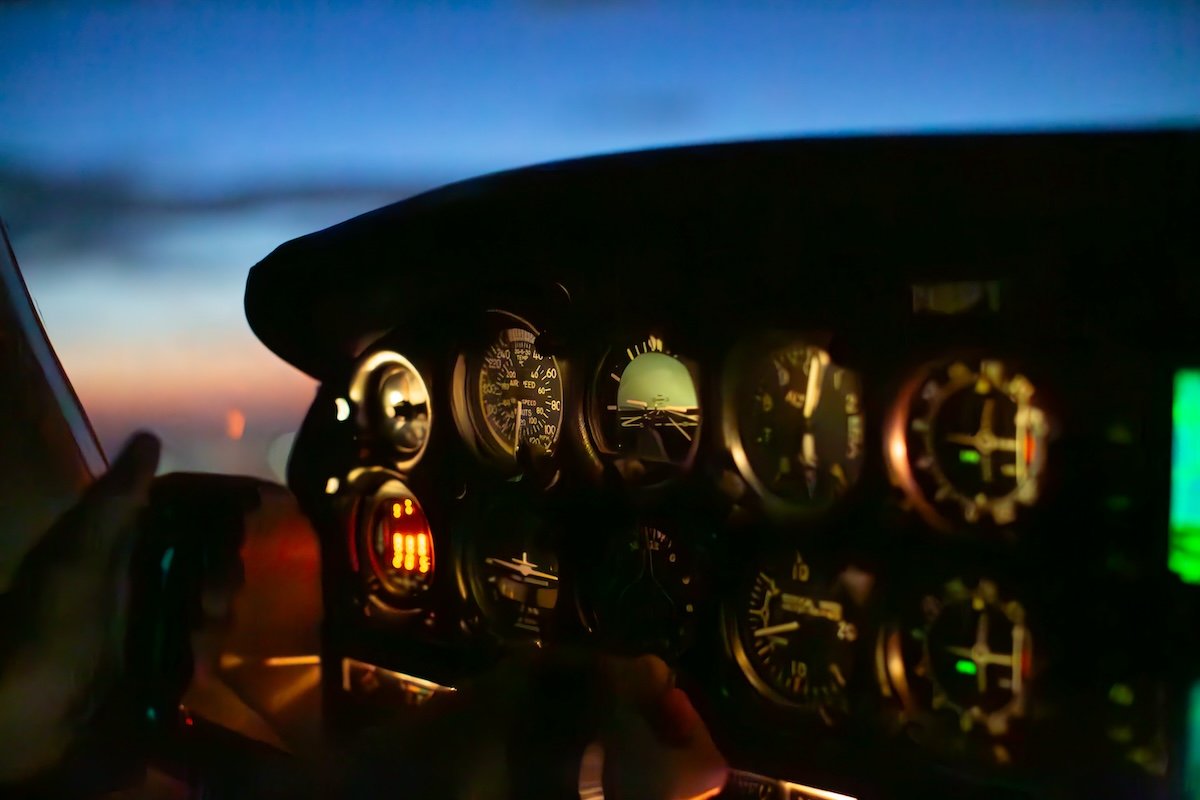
(801,425)
(650,594)
(798,634)
(976,442)
(649,406)
(970,655)
(398,544)
(520,392)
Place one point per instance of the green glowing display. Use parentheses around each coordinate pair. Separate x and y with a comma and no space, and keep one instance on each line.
(966,667)
(1184,548)
(969,456)
(656,380)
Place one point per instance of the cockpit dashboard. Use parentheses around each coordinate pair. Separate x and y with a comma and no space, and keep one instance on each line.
(871,440)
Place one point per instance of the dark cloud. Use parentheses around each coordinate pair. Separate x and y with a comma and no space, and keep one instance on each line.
(60,215)
(650,111)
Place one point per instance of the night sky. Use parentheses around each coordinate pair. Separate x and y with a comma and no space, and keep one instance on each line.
(151,153)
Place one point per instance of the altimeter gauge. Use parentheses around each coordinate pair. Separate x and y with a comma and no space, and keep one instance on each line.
(799,424)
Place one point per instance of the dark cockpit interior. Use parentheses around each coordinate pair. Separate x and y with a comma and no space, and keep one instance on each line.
(889,447)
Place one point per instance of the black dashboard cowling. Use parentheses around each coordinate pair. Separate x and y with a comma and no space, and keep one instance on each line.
(741,221)
(1091,243)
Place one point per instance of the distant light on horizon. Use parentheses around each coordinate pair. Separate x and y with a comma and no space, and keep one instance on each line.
(150,154)
(235,424)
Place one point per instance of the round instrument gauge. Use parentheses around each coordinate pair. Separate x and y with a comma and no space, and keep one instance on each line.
(514,392)
(968,443)
(395,541)
(510,572)
(646,405)
(648,594)
(799,425)
(968,654)
(796,634)
(393,403)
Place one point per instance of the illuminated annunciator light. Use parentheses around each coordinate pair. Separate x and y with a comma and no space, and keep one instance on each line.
(1184,535)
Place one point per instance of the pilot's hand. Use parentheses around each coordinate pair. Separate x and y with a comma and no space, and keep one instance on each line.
(62,639)
(520,731)
(653,744)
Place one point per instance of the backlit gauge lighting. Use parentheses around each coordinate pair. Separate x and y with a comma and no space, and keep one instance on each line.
(797,635)
(394,403)
(509,568)
(647,406)
(519,390)
(799,425)
(968,653)
(967,443)
(1184,538)
(399,544)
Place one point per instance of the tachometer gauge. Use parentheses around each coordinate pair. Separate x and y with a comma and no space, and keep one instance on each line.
(647,405)
(647,593)
(797,633)
(968,654)
(507,393)
(397,546)
(968,443)
(510,570)
(798,420)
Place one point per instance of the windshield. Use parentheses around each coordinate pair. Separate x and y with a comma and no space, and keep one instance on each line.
(151,154)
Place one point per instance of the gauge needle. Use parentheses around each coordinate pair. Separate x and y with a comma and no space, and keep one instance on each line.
(816,371)
(517,434)
(523,566)
(786,627)
(971,654)
(686,435)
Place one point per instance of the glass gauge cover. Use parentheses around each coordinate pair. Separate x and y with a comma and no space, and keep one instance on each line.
(396,543)
(393,403)
(404,407)
(797,633)
(647,405)
(799,425)
(510,571)
(518,390)
(967,654)
(969,443)
(647,594)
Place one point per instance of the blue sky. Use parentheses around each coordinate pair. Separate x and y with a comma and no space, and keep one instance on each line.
(150,153)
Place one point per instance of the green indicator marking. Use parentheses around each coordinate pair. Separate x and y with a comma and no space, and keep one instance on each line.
(1118,502)
(1184,539)
(1121,694)
(968,456)
(965,667)
(1119,434)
